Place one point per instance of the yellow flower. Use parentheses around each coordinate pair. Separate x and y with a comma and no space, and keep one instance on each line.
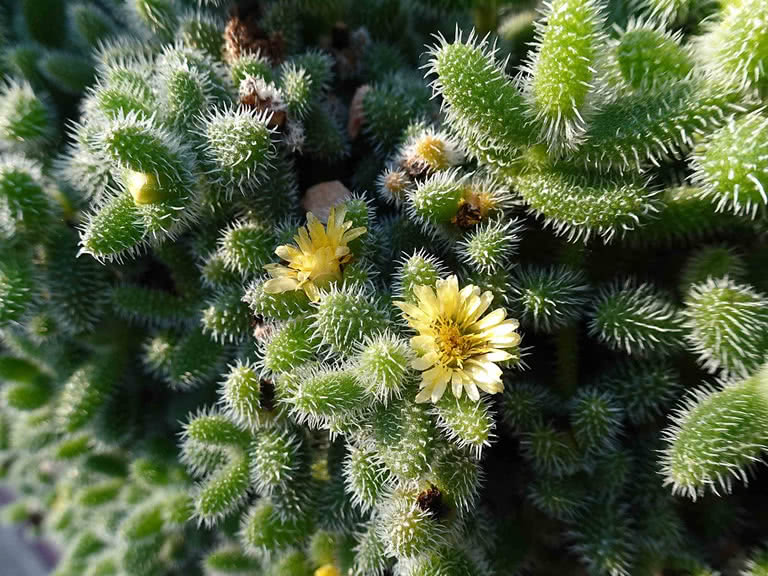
(315,261)
(456,343)
(327,570)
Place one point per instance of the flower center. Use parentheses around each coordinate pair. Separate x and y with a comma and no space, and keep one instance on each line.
(453,345)
(321,267)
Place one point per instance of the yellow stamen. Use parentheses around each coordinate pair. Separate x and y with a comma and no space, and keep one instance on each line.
(453,345)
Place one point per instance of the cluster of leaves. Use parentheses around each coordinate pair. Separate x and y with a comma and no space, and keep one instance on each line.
(606,185)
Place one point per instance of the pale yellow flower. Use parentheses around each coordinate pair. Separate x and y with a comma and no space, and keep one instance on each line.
(315,261)
(458,344)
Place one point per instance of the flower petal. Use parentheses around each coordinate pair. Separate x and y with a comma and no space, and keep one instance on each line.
(287,252)
(303,241)
(476,307)
(354,233)
(427,300)
(503,328)
(472,390)
(439,390)
(457,384)
(482,371)
(316,231)
(412,312)
(424,362)
(485,375)
(424,395)
(312,291)
(448,296)
(278,285)
(505,341)
(489,321)
(494,355)
(423,342)
(275,270)
(469,290)
(436,375)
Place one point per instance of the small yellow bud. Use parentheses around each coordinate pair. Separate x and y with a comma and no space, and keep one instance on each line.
(327,570)
(144,187)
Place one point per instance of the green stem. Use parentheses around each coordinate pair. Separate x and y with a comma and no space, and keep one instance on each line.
(567,339)
(567,360)
(486,16)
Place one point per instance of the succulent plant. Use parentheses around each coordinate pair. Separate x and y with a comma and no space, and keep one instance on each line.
(333,288)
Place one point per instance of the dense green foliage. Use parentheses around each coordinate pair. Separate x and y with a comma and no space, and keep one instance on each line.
(341,288)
